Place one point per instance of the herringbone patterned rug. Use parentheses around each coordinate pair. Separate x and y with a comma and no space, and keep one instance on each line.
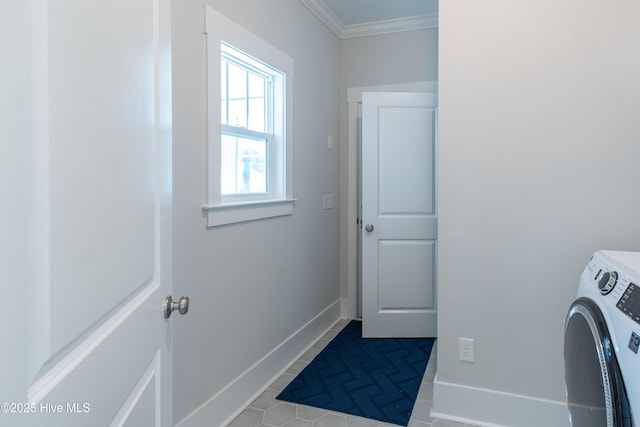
(376,378)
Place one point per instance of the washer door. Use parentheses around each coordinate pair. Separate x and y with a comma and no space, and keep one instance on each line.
(595,389)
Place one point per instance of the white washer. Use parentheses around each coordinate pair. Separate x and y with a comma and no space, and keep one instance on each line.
(602,341)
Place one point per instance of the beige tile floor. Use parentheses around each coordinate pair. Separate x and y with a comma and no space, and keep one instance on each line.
(266,411)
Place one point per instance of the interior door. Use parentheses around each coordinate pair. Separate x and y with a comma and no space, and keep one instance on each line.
(399,214)
(96,185)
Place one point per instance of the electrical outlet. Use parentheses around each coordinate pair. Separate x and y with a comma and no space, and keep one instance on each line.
(465,350)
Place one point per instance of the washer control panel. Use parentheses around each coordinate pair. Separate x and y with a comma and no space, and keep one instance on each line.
(629,303)
(615,275)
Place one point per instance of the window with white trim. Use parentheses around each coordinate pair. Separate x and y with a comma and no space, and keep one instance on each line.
(249,132)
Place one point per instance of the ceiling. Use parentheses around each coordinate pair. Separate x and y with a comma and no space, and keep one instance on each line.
(356,18)
(352,12)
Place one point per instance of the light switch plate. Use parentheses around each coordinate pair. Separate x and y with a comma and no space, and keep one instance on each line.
(327,201)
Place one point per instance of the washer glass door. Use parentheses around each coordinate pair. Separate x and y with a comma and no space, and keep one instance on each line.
(595,391)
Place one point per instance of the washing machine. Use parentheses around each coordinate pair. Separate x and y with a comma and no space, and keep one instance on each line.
(602,339)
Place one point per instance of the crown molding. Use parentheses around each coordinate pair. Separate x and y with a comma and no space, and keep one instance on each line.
(325,15)
(318,8)
(390,26)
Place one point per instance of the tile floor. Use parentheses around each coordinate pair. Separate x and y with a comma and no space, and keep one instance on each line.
(266,411)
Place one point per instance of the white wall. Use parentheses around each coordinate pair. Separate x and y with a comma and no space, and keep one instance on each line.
(251,285)
(539,167)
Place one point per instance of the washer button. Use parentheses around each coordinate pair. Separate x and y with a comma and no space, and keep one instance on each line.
(607,282)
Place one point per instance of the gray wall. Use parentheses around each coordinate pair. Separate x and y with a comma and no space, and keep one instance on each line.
(405,57)
(539,167)
(251,285)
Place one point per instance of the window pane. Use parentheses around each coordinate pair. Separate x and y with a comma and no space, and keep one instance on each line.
(257,114)
(257,102)
(238,112)
(244,165)
(256,86)
(237,92)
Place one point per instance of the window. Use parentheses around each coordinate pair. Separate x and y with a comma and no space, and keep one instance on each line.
(249,89)
(247,125)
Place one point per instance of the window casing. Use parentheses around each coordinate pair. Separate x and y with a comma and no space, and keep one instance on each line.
(249,132)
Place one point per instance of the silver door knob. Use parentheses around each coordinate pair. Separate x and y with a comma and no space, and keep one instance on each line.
(169,306)
(368,228)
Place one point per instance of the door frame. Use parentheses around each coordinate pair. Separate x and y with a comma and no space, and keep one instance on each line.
(351,298)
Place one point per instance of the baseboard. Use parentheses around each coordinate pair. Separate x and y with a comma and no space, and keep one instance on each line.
(229,402)
(349,309)
(490,408)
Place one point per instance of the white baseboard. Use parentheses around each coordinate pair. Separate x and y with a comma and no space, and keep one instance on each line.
(490,408)
(229,402)
(349,308)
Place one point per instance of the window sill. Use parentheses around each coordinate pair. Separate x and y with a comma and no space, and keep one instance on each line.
(243,212)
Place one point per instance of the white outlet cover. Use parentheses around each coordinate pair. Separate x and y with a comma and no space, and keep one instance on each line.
(465,350)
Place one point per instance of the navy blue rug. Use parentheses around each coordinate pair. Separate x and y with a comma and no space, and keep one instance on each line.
(375,378)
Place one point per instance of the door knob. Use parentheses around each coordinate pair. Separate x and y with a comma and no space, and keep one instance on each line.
(369,228)
(169,305)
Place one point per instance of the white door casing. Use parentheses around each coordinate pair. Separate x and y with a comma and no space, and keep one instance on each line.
(97,348)
(399,203)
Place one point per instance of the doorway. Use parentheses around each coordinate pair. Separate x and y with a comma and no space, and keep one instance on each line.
(352,307)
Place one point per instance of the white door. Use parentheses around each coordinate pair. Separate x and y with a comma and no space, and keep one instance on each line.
(399,214)
(90,345)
